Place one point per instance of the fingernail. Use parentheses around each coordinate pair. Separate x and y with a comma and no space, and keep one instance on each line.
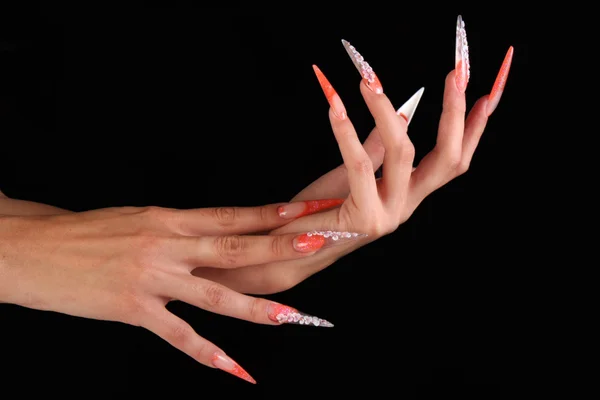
(316,240)
(407,110)
(363,68)
(223,362)
(498,88)
(302,208)
(461,58)
(335,102)
(288,315)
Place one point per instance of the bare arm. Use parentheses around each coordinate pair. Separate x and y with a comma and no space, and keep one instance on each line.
(23,207)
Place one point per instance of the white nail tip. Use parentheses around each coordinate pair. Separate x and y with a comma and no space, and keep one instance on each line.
(408,109)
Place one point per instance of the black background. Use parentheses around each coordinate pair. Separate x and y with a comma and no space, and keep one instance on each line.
(187,107)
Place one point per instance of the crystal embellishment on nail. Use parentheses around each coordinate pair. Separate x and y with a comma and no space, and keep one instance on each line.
(359,61)
(462,46)
(288,315)
(336,235)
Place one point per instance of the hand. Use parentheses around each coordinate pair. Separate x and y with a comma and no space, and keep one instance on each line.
(378,207)
(126,264)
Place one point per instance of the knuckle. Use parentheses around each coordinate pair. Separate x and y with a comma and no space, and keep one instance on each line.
(363,166)
(463,167)
(215,296)
(264,213)
(408,150)
(225,216)
(147,245)
(256,309)
(278,247)
(229,248)
(452,160)
(151,211)
(132,310)
(180,334)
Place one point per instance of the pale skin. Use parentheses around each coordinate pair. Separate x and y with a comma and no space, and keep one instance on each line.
(373,206)
(126,264)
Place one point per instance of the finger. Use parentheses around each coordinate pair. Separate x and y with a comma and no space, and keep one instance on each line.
(239,220)
(361,177)
(399,151)
(474,127)
(240,251)
(214,297)
(439,166)
(182,336)
(334,184)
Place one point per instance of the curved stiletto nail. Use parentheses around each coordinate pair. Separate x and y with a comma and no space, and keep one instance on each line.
(363,68)
(407,110)
(318,240)
(461,57)
(301,208)
(288,315)
(225,363)
(335,102)
(498,88)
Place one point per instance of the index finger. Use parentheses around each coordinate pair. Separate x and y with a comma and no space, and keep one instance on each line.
(213,297)
(240,220)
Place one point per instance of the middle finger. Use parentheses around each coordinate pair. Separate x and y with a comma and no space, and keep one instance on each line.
(399,151)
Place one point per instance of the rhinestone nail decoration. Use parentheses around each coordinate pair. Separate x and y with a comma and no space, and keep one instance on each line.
(359,61)
(463,45)
(335,235)
(288,315)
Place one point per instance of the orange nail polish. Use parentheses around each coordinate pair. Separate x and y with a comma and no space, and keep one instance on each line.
(225,363)
(301,208)
(335,102)
(500,83)
(316,240)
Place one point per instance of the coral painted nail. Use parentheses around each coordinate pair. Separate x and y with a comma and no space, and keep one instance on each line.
(288,315)
(335,102)
(317,240)
(461,57)
(363,68)
(301,208)
(225,363)
(498,87)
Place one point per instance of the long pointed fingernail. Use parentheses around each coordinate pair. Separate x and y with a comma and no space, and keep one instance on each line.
(335,102)
(498,88)
(225,363)
(288,315)
(461,58)
(301,208)
(407,110)
(317,240)
(363,68)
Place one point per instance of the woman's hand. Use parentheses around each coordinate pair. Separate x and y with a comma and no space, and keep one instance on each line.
(126,264)
(378,206)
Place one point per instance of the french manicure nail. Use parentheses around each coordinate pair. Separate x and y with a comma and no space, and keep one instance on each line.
(363,67)
(225,363)
(407,110)
(317,240)
(498,88)
(301,208)
(461,57)
(288,315)
(335,102)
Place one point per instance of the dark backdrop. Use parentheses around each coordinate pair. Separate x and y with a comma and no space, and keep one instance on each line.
(191,107)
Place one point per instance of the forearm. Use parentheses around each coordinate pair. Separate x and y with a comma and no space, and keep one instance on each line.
(23,207)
